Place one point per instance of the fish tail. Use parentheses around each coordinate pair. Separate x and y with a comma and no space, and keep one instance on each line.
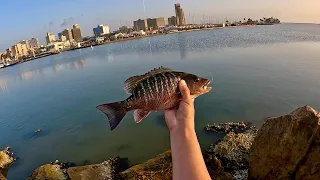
(114,111)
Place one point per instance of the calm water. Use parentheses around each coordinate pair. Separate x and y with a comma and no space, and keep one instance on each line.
(258,72)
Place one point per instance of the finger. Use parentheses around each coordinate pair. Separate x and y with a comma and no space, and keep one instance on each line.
(185,92)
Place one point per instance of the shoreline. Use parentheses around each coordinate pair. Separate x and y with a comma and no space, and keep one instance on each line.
(120,40)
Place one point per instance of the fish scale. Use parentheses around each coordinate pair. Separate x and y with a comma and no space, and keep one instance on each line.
(153,91)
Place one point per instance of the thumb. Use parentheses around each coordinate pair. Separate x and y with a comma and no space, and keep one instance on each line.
(185,92)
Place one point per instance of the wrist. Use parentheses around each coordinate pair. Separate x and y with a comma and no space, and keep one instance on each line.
(182,132)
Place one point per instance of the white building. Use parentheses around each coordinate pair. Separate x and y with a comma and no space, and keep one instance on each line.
(58,46)
(101,30)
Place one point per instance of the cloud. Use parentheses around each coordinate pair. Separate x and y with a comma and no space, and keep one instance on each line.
(51,23)
(67,22)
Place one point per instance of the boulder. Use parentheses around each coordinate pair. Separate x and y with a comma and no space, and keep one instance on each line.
(104,171)
(49,172)
(287,147)
(160,168)
(6,159)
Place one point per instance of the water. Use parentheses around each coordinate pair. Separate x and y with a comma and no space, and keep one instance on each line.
(258,72)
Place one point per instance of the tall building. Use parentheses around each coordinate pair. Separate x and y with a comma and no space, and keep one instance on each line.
(68,34)
(50,38)
(140,24)
(172,21)
(156,23)
(76,32)
(101,30)
(34,43)
(18,50)
(180,18)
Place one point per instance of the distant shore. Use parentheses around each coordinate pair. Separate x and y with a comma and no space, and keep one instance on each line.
(121,40)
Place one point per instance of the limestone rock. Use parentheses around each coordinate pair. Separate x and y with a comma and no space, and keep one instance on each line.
(49,172)
(157,168)
(6,159)
(287,147)
(103,171)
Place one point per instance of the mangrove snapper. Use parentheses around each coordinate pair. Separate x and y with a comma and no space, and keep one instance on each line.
(153,91)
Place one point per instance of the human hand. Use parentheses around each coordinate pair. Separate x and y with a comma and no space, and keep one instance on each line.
(181,119)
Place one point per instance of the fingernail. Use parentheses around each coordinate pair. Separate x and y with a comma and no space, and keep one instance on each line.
(183,83)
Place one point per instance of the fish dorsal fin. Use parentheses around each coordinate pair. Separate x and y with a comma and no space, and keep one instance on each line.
(131,83)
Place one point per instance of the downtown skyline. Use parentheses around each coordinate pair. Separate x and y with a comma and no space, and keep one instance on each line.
(48,17)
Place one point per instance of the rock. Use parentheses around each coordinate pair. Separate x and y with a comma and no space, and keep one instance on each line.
(104,171)
(49,172)
(6,159)
(37,131)
(239,127)
(287,147)
(157,168)
(160,168)
(231,154)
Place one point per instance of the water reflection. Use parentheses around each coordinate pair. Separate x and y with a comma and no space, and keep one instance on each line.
(3,86)
(182,46)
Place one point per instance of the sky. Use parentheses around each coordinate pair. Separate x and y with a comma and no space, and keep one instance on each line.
(22,20)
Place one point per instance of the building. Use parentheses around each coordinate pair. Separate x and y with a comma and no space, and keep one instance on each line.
(140,24)
(50,38)
(172,21)
(101,30)
(156,23)
(34,43)
(57,46)
(76,32)
(18,50)
(68,34)
(180,18)
(25,43)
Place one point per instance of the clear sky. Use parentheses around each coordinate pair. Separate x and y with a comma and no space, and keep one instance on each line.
(22,19)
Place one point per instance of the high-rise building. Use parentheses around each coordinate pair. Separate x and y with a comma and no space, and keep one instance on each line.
(18,50)
(34,43)
(101,30)
(156,23)
(68,34)
(140,24)
(172,21)
(50,38)
(180,18)
(63,38)
(76,32)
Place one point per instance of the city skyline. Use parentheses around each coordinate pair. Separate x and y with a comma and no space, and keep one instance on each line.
(44,19)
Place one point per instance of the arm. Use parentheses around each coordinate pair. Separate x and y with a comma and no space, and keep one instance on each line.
(187,158)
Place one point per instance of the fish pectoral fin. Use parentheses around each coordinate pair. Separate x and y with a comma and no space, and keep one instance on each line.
(140,114)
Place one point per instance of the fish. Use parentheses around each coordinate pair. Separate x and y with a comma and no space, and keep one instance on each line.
(154,91)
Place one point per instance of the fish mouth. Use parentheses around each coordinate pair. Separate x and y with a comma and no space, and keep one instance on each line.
(205,87)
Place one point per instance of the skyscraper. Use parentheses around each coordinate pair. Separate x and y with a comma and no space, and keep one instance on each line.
(156,23)
(34,43)
(181,20)
(50,38)
(101,30)
(172,21)
(68,34)
(76,32)
(140,24)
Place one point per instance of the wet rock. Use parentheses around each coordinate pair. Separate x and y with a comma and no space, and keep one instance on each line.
(239,127)
(287,147)
(6,159)
(232,152)
(49,172)
(106,170)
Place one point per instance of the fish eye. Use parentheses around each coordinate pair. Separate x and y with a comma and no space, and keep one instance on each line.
(196,79)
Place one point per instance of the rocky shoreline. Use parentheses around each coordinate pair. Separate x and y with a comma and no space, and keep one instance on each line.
(286,147)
